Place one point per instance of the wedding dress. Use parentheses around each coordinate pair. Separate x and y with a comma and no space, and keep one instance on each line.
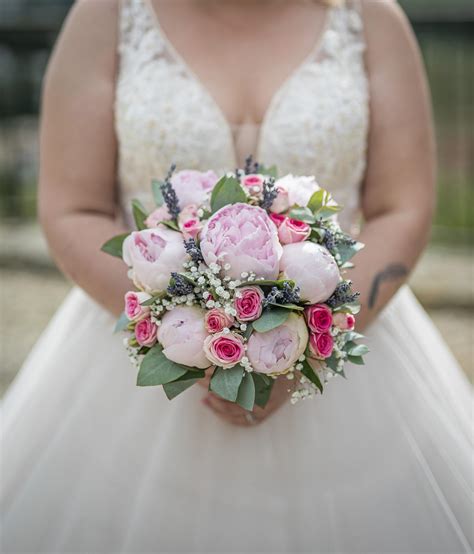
(380,463)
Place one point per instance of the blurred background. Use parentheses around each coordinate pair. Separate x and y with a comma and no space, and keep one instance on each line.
(31,287)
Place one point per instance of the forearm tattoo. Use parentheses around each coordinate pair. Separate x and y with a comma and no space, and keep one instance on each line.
(390,273)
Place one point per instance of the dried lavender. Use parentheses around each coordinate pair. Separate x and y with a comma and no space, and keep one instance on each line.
(342,295)
(289,294)
(179,285)
(269,194)
(193,250)
(250,166)
(169,194)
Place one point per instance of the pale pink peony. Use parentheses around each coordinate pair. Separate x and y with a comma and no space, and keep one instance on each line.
(281,203)
(277,219)
(244,237)
(254,183)
(248,303)
(345,322)
(224,349)
(145,332)
(319,318)
(133,308)
(193,187)
(293,230)
(217,319)
(313,268)
(182,333)
(157,216)
(152,254)
(321,345)
(298,190)
(276,351)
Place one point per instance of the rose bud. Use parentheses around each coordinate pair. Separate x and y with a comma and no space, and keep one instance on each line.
(224,349)
(191,228)
(216,320)
(133,305)
(254,183)
(277,219)
(345,322)
(145,332)
(293,230)
(321,345)
(248,303)
(319,318)
(281,203)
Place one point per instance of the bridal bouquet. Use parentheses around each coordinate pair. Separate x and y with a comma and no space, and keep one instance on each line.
(244,274)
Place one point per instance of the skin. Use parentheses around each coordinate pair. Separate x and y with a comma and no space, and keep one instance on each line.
(78,182)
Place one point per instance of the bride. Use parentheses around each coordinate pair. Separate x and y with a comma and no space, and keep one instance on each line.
(382,461)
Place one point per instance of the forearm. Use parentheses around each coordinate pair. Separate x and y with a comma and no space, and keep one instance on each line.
(75,240)
(393,243)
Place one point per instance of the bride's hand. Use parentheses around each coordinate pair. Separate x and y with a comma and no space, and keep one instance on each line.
(235,414)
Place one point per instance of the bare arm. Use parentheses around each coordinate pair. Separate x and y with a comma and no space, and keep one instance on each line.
(77,190)
(398,194)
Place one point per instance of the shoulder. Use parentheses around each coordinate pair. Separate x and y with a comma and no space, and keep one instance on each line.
(385,22)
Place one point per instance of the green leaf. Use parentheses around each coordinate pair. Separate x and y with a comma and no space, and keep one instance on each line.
(139,214)
(332,362)
(348,251)
(292,307)
(246,395)
(122,323)
(316,200)
(309,372)
(267,283)
(156,369)
(263,388)
(157,194)
(328,211)
(153,299)
(186,381)
(170,224)
(226,382)
(302,214)
(322,204)
(352,335)
(114,246)
(356,360)
(228,190)
(270,319)
(272,171)
(353,308)
(248,331)
(358,350)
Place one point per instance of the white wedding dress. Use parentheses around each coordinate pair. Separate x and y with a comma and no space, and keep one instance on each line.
(380,463)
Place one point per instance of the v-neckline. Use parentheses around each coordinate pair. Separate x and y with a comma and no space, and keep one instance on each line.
(312,56)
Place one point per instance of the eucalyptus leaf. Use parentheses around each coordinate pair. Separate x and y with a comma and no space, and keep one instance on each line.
(184,382)
(328,211)
(267,283)
(156,369)
(352,335)
(226,382)
(248,331)
(358,360)
(348,251)
(293,307)
(153,299)
(170,224)
(302,214)
(157,194)
(309,373)
(332,362)
(316,200)
(358,350)
(122,323)
(114,246)
(272,171)
(246,395)
(263,388)
(139,214)
(270,319)
(227,190)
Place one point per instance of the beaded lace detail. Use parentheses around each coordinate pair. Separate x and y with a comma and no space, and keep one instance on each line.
(317,121)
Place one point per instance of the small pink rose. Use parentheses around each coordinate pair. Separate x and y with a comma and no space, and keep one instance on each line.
(133,305)
(157,216)
(277,219)
(191,228)
(281,202)
(145,332)
(249,303)
(254,183)
(346,322)
(319,318)
(321,345)
(216,320)
(293,230)
(224,349)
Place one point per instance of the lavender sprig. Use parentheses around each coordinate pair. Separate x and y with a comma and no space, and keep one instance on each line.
(250,166)
(193,250)
(288,295)
(269,194)
(169,194)
(179,285)
(342,295)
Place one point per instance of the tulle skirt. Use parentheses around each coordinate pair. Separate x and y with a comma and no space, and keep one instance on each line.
(382,462)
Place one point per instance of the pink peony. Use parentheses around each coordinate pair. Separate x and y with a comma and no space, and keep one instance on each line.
(193,187)
(244,237)
(298,190)
(345,322)
(313,268)
(133,308)
(145,332)
(254,183)
(281,203)
(319,318)
(157,216)
(293,230)
(216,320)
(321,345)
(278,350)
(224,349)
(277,219)
(152,254)
(248,303)
(182,333)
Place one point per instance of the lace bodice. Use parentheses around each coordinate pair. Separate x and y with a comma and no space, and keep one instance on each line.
(316,123)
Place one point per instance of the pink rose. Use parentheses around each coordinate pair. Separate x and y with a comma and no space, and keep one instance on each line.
(345,322)
(191,228)
(193,187)
(182,333)
(254,183)
(319,318)
(224,349)
(133,305)
(216,320)
(281,203)
(313,268)
(276,351)
(145,332)
(321,345)
(248,303)
(244,237)
(277,219)
(157,216)
(293,230)
(298,189)
(152,254)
